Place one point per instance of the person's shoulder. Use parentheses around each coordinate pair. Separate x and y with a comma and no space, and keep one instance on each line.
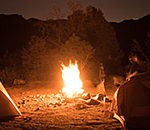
(137,78)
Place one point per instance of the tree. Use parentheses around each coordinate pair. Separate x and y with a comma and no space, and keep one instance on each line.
(55,13)
(137,50)
(91,26)
(36,59)
(76,49)
(74,6)
(10,66)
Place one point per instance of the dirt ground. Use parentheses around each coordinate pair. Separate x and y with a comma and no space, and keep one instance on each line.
(42,108)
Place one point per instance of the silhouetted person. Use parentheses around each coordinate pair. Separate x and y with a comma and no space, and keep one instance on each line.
(133,99)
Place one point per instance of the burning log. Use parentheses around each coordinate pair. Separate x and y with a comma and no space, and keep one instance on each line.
(86,96)
(99,97)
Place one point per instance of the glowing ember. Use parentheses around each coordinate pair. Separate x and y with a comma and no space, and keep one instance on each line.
(71,77)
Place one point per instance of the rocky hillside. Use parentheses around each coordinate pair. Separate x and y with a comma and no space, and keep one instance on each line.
(129,30)
(15,32)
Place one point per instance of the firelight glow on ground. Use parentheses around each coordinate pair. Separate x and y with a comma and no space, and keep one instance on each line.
(72,81)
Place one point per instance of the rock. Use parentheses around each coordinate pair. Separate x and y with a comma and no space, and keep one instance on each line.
(59,99)
(107,100)
(67,100)
(81,106)
(37,109)
(19,82)
(58,104)
(19,106)
(27,119)
(23,101)
(36,100)
(51,103)
(86,96)
(93,102)
(23,105)
(99,97)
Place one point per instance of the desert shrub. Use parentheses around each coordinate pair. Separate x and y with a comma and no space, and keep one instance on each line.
(7,76)
(76,49)
(32,57)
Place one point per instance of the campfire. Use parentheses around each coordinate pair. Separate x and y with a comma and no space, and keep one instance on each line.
(72,82)
(73,85)
(72,93)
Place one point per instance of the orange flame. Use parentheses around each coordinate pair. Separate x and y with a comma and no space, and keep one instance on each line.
(72,81)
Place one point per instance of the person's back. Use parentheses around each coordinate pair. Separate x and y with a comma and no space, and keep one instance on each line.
(133,102)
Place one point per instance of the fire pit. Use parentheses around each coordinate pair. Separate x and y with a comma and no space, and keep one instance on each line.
(72,93)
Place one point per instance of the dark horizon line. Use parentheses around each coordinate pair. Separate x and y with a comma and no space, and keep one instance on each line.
(37,18)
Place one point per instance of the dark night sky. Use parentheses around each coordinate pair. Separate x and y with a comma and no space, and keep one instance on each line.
(114,10)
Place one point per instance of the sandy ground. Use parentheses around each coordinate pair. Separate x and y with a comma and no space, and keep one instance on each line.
(41,109)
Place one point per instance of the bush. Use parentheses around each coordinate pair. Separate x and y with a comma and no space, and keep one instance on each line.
(7,76)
